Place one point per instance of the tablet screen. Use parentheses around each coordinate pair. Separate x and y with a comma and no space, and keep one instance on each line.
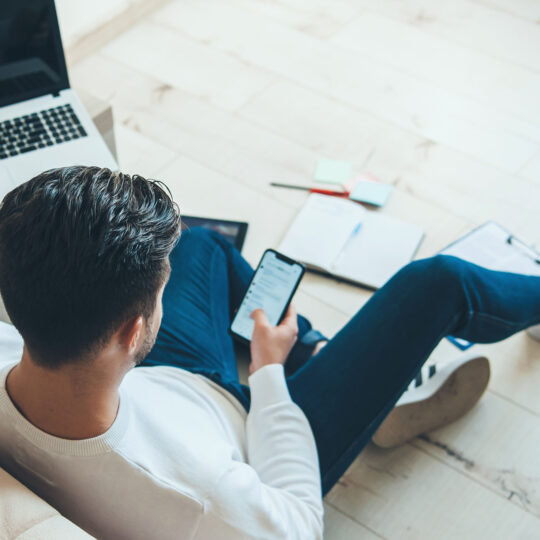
(234,231)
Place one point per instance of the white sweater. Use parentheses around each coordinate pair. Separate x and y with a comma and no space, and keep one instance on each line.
(182,460)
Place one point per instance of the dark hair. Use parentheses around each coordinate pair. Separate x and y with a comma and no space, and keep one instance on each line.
(83,250)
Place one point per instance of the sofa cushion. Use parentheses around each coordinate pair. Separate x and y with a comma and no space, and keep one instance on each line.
(24,516)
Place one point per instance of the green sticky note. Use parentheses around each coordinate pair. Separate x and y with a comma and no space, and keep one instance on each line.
(333,171)
(371,192)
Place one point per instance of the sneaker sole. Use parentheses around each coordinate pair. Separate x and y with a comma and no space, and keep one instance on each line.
(457,395)
(534,332)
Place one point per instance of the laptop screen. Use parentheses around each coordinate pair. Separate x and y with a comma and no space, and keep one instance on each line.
(31,57)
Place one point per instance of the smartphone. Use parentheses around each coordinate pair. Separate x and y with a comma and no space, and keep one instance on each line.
(271,288)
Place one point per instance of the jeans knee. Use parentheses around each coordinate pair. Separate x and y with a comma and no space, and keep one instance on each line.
(443,270)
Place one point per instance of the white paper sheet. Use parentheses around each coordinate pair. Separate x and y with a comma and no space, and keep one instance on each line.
(488,246)
(379,250)
(348,241)
(320,230)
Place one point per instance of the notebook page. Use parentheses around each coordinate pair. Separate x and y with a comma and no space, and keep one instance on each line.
(382,246)
(487,246)
(321,229)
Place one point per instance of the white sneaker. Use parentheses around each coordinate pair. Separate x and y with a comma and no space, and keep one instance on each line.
(436,397)
(534,332)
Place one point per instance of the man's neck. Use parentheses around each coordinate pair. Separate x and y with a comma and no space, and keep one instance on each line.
(73,402)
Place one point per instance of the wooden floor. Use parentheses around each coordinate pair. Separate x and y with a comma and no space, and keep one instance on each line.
(439,99)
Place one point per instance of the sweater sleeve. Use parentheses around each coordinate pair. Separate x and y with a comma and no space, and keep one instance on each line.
(277,494)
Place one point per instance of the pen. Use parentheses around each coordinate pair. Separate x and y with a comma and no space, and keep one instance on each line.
(527,250)
(331,192)
(339,256)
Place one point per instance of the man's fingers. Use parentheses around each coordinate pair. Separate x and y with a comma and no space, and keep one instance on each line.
(260,318)
(291,318)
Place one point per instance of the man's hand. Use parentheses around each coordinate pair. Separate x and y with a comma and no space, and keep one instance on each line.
(272,344)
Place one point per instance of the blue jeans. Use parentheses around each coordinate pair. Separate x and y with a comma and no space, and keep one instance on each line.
(348,388)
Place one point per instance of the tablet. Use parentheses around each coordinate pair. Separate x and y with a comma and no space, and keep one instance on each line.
(234,231)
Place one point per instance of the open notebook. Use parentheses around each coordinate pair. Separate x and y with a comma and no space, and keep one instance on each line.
(339,237)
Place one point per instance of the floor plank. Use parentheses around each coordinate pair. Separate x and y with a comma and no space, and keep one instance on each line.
(463,122)
(527,9)
(196,68)
(401,494)
(450,66)
(474,26)
(493,444)
(532,169)
(138,154)
(337,526)
(318,18)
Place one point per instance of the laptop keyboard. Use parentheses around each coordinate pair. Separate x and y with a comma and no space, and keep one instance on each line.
(39,130)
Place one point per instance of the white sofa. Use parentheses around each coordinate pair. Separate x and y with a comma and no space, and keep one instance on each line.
(24,516)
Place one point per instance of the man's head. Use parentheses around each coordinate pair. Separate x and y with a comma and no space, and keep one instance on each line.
(84,252)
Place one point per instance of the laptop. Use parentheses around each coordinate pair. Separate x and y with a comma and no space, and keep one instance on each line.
(43,124)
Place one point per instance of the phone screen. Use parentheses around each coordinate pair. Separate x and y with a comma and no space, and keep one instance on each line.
(271,289)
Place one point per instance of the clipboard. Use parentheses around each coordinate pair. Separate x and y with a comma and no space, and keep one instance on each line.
(492,246)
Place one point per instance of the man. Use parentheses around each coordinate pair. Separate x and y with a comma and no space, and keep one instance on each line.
(178,448)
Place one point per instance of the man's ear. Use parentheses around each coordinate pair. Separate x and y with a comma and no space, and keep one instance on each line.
(131,333)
